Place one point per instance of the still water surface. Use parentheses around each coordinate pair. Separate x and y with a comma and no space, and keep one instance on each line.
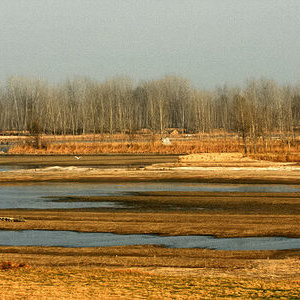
(89,239)
(34,196)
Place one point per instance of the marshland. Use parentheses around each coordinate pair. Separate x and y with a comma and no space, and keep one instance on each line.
(150,221)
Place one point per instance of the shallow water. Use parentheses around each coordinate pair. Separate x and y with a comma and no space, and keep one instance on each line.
(89,239)
(7,168)
(34,196)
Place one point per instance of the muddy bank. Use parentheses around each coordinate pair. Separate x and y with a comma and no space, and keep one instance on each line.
(283,175)
(212,202)
(222,168)
(163,223)
(86,160)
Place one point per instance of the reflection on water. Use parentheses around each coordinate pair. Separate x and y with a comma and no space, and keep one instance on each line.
(5,168)
(89,239)
(33,196)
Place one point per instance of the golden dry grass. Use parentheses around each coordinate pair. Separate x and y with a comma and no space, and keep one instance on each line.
(92,283)
(275,150)
(126,147)
(8,265)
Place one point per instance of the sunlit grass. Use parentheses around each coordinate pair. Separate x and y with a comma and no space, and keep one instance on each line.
(99,283)
(273,149)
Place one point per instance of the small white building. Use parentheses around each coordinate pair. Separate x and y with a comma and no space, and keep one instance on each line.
(166,141)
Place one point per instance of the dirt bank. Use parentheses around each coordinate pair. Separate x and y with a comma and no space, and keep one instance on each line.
(86,160)
(218,223)
(249,171)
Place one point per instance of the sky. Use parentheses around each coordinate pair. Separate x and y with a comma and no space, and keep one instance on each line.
(209,42)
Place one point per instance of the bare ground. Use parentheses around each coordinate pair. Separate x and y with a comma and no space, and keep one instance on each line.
(203,168)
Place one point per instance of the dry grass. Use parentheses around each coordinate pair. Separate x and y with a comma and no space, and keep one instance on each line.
(125,147)
(99,283)
(275,150)
(8,265)
(278,157)
(148,272)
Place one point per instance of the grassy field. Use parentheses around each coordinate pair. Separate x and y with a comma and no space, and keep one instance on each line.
(99,283)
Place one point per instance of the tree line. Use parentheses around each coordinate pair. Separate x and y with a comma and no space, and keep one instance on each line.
(81,106)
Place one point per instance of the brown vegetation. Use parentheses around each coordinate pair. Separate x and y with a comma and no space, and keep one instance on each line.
(134,147)
(200,213)
(275,150)
(129,283)
(8,265)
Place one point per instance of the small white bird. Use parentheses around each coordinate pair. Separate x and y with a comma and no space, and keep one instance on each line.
(77,157)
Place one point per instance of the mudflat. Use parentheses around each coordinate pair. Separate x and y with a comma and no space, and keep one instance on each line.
(222,168)
(164,223)
(86,160)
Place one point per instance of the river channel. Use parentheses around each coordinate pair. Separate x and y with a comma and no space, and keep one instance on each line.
(99,239)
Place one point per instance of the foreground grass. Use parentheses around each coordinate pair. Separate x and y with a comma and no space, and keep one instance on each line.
(93,283)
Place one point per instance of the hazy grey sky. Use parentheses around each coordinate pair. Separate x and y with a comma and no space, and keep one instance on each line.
(209,42)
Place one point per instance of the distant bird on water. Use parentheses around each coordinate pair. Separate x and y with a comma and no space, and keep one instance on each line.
(77,157)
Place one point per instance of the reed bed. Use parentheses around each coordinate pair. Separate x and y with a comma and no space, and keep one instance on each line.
(180,147)
(274,150)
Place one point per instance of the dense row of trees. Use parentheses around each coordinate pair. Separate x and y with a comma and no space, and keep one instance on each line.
(83,106)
